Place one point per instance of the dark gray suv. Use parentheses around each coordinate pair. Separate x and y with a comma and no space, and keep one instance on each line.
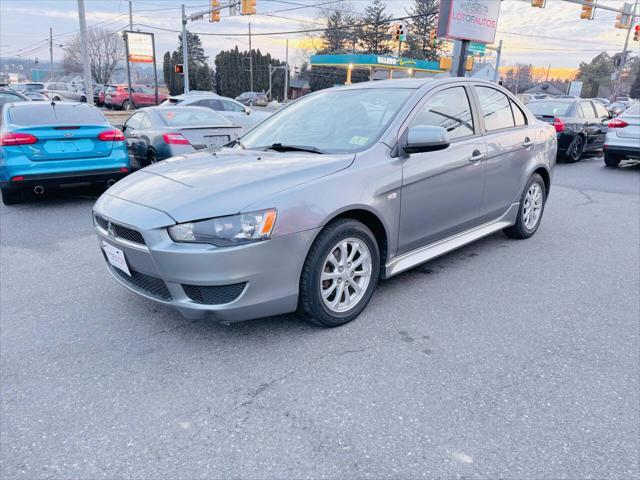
(346,186)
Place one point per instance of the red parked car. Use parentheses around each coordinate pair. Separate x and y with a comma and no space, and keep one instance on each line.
(117,96)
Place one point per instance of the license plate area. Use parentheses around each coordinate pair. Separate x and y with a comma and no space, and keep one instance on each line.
(214,141)
(116,257)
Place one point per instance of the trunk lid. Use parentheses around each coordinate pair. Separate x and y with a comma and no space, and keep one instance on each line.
(632,130)
(202,137)
(66,142)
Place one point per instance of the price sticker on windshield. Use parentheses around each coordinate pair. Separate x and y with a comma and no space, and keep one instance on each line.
(356,140)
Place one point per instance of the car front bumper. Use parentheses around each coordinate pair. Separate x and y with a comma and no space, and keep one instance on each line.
(226,284)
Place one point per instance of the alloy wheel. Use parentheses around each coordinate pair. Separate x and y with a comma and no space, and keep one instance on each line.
(345,275)
(532,209)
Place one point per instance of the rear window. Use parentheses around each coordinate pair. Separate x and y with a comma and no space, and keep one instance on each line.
(632,110)
(184,117)
(8,97)
(38,114)
(551,109)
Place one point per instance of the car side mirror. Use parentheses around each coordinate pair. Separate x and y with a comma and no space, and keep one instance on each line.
(120,127)
(425,138)
(247,110)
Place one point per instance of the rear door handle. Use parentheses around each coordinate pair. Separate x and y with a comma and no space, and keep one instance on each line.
(527,142)
(476,156)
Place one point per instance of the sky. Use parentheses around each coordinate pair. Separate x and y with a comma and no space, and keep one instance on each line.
(552,36)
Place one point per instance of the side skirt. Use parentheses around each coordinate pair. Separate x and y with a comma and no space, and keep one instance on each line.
(436,249)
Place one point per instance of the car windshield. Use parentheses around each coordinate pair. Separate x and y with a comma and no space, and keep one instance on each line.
(336,121)
(184,117)
(549,108)
(38,114)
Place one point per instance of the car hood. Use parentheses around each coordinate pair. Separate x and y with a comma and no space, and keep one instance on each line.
(205,185)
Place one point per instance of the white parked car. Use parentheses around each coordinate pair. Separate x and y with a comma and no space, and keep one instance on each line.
(227,107)
(623,137)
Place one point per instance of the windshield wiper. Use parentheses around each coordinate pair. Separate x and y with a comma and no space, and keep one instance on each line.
(235,142)
(279,147)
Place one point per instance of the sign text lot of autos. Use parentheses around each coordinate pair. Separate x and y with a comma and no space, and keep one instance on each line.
(475,20)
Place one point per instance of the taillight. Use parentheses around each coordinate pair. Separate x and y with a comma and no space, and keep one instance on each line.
(558,124)
(10,139)
(111,136)
(617,123)
(175,139)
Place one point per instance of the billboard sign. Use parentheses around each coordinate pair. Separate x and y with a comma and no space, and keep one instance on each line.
(140,47)
(474,20)
(575,88)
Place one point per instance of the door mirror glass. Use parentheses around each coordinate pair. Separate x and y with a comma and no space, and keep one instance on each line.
(426,138)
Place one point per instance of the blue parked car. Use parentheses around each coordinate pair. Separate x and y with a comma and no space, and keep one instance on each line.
(48,145)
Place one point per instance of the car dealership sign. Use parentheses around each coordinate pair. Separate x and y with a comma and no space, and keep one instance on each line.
(140,47)
(474,20)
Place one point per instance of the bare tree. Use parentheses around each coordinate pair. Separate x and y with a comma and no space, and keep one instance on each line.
(106,51)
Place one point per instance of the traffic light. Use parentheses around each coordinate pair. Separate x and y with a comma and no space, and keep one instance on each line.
(636,33)
(248,7)
(445,63)
(179,69)
(538,3)
(397,32)
(587,10)
(468,66)
(214,15)
(623,20)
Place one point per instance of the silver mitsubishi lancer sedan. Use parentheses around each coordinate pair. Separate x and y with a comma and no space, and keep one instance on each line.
(346,186)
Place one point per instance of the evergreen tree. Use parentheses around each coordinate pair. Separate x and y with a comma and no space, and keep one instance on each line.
(372,35)
(595,73)
(424,21)
(336,38)
(634,92)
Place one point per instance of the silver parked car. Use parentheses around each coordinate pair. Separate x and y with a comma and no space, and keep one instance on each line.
(227,107)
(337,190)
(59,91)
(155,133)
(623,137)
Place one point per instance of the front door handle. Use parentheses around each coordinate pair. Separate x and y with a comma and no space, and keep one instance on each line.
(527,142)
(476,156)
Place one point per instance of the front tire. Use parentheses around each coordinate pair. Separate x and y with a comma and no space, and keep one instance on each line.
(11,197)
(340,273)
(152,157)
(611,160)
(532,204)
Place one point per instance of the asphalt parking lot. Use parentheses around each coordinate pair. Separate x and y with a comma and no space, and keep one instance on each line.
(505,359)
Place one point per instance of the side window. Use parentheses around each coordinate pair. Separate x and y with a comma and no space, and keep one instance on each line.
(495,109)
(449,109)
(585,110)
(145,121)
(601,112)
(518,115)
(232,106)
(133,122)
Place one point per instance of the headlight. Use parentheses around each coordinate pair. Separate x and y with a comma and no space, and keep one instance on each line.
(227,231)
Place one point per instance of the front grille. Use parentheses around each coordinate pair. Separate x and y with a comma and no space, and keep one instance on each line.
(120,231)
(217,295)
(150,284)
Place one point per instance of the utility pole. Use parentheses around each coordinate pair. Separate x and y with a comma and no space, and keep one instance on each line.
(623,57)
(130,15)
(250,62)
(88,81)
(185,52)
(496,74)
(50,54)
(286,74)
(462,58)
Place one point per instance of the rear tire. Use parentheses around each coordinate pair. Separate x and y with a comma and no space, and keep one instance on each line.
(56,99)
(575,150)
(526,225)
(329,274)
(611,160)
(83,99)
(152,157)
(12,196)
(126,105)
